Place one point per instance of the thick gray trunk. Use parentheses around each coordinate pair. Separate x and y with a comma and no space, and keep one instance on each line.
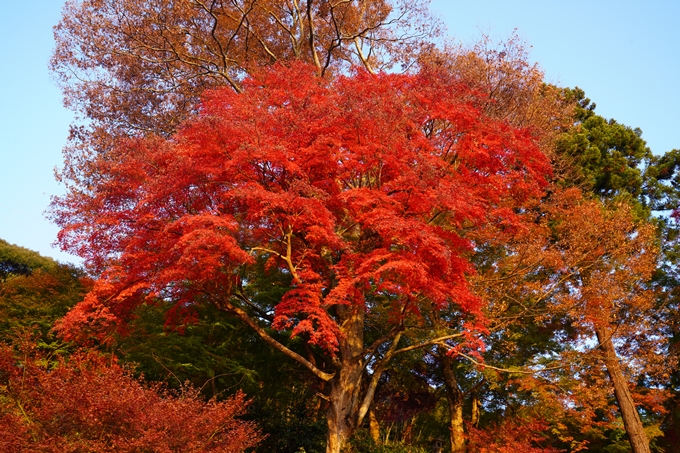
(629,414)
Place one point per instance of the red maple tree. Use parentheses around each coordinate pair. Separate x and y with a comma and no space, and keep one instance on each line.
(358,189)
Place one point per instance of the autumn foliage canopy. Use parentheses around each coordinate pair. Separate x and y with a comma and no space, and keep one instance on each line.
(354,186)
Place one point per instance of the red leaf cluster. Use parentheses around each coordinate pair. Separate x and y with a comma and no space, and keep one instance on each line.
(512,436)
(87,404)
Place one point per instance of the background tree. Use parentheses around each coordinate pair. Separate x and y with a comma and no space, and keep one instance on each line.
(35,291)
(609,293)
(611,162)
(606,158)
(510,89)
(614,162)
(140,66)
(589,276)
(16,261)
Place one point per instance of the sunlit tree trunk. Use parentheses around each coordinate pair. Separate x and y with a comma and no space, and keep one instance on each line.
(631,418)
(345,386)
(374,427)
(474,416)
(454,397)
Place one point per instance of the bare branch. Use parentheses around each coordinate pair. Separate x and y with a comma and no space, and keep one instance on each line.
(363,59)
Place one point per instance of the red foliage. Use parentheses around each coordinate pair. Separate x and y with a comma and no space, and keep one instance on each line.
(512,436)
(353,186)
(87,404)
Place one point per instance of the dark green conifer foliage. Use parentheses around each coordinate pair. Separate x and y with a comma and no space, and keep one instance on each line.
(607,157)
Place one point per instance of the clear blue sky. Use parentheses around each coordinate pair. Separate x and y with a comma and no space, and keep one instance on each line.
(624,54)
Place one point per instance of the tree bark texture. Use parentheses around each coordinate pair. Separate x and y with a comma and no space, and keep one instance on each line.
(454,397)
(631,419)
(374,427)
(345,387)
(474,417)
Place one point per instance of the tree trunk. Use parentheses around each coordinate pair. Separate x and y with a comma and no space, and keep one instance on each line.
(474,417)
(345,387)
(374,427)
(343,407)
(631,418)
(455,399)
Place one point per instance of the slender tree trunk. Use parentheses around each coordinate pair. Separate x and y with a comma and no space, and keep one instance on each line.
(455,399)
(474,417)
(374,427)
(629,414)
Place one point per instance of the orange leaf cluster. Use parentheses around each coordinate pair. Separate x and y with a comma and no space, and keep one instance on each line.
(86,403)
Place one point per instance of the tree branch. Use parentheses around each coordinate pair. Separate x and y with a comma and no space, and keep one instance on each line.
(243,316)
(377,372)
(362,57)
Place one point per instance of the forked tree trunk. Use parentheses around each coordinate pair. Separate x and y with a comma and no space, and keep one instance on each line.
(454,397)
(629,414)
